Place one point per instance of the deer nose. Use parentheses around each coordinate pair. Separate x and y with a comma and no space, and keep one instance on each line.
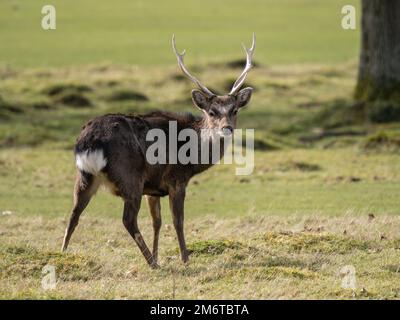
(227,130)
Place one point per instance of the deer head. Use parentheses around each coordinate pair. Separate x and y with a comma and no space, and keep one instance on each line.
(220,111)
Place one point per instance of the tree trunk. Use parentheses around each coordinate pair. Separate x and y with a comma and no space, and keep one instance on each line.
(379,68)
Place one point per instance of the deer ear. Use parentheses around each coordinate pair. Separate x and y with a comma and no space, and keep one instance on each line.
(200,100)
(243,96)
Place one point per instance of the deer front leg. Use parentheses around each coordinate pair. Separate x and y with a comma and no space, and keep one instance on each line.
(176,202)
(155,211)
(131,210)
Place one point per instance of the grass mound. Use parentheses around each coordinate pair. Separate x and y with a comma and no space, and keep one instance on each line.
(41,105)
(56,89)
(315,243)
(262,145)
(300,166)
(73,99)
(339,113)
(212,247)
(69,94)
(178,77)
(124,95)
(227,85)
(279,86)
(240,63)
(25,261)
(381,141)
(7,108)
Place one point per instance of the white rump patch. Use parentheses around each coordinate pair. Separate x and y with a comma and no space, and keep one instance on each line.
(91,161)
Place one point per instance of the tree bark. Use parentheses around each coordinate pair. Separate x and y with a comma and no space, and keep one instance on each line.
(379,68)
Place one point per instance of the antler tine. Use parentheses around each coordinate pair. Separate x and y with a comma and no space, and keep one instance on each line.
(249,55)
(180,57)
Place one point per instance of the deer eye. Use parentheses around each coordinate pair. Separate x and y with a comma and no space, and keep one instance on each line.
(235,112)
(212,113)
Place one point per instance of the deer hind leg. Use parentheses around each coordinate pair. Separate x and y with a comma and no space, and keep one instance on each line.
(155,210)
(131,210)
(86,186)
(176,202)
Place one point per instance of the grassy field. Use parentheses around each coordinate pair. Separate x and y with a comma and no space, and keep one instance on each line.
(324,193)
(255,257)
(139,32)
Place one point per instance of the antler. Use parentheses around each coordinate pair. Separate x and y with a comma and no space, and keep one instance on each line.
(249,55)
(180,56)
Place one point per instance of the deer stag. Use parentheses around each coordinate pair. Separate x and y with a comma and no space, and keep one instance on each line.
(111,150)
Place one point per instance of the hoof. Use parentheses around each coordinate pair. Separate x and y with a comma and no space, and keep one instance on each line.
(185,260)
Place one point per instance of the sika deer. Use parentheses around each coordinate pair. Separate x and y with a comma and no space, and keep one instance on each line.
(111,150)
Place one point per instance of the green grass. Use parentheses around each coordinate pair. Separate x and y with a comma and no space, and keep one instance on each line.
(139,32)
(253,256)
(50,105)
(332,172)
(325,188)
(286,231)
(349,181)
